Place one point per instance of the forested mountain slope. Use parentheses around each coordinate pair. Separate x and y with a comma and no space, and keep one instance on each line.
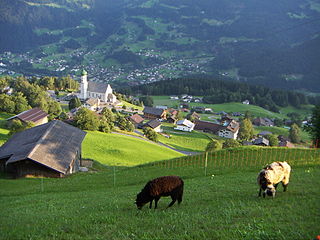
(274,43)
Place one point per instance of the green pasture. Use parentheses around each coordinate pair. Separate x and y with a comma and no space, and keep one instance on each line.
(282,131)
(3,130)
(119,150)
(100,205)
(194,141)
(305,110)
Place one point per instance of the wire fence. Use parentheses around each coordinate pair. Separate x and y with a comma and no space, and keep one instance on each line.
(243,158)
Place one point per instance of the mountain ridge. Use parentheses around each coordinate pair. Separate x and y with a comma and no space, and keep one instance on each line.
(270,43)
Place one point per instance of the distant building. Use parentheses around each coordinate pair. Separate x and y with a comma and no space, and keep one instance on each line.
(263,122)
(92,103)
(228,130)
(261,141)
(154,113)
(34,115)
(136,120)
(48,150)
(185,125)
(96,90)
(246,102)
(154,124)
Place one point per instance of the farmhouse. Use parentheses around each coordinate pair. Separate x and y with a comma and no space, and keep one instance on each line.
(263,122)
(96,90)
(185,125)
(136,120)
(154,124)
(227,130)
(48,150)
(92,104)
(154,113)
(34,115)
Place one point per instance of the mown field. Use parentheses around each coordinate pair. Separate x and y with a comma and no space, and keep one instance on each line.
(100,205)
(185,141)
(118,150)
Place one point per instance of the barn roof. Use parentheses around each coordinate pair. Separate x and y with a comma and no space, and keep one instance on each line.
(32,115)
(53,144)
(153,111)
(153,124)
(136,118)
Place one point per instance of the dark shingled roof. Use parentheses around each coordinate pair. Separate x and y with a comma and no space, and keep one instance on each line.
(97,87)
(32,115)
(153,123)
(53,144)
(153,111)
(208,126)
(136,118)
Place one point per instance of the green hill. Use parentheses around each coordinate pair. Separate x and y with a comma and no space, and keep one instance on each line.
(100,205)
(118,150)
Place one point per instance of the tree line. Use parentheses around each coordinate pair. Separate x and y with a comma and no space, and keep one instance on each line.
(217,91)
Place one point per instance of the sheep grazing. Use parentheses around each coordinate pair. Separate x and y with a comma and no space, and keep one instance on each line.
(269,178)
(161,187)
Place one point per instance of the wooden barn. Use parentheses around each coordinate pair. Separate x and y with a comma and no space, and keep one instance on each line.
(154,113)
(34,115)
(48,150)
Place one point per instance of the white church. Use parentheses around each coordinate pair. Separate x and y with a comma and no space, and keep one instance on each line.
(95,90)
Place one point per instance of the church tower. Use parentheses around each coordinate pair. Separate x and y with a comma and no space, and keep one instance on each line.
(84,85)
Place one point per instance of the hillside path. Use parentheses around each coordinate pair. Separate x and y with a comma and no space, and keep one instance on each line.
(158,143)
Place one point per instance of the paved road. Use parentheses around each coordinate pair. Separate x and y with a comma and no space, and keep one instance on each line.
(158,143)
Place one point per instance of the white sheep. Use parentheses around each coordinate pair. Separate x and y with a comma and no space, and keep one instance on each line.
(269,178)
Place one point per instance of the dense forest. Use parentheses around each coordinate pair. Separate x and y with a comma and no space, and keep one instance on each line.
(219,91)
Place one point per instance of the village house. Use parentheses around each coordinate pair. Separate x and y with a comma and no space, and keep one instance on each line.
(154,113)
(34,115)
(194,116)
(48,150)
(247,102)
(136,120)
(263,122)
(185,125)
(97,90)
(229,130)
(154,124)
(92,104)
(261,141)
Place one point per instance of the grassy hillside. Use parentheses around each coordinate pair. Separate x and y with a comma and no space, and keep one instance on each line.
(195,141)
(223,205)
(3,131)
(114,149)
(237,107)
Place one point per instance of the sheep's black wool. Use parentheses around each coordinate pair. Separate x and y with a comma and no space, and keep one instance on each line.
(161,187)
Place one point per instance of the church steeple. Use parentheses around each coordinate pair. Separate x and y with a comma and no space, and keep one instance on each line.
(84,85)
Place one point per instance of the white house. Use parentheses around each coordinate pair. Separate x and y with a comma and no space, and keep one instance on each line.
(185,125)
(96,90)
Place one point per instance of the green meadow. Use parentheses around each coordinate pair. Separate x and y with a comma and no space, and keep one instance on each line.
(194,141)
(100,205)
(3,131)
(119,150)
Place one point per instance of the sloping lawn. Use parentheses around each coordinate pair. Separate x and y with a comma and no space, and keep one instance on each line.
(186,141)
(3,130)
(114,149)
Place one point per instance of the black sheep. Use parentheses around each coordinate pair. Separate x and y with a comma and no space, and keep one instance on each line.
(161,187)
